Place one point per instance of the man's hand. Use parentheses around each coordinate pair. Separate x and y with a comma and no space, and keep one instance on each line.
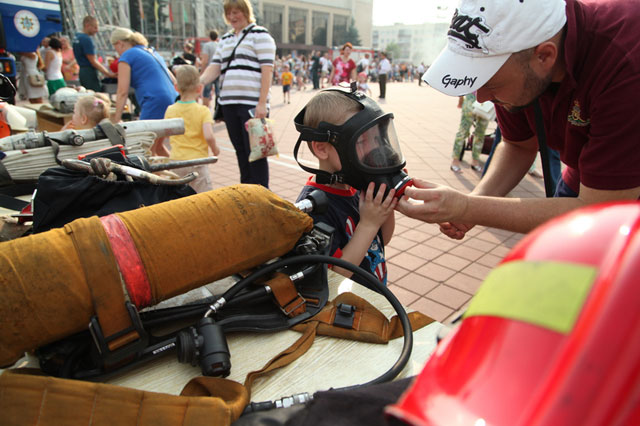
(439,204)
(456,231)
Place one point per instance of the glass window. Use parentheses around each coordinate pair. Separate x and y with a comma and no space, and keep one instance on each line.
(319,24)
(273,20)
(340,29)
(297,25)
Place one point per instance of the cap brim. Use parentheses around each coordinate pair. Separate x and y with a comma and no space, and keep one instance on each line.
(455,75)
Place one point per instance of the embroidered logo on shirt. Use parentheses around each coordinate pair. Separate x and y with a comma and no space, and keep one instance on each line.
(575,119)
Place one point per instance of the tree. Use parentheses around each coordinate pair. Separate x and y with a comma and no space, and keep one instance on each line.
(392,50)
(352,34)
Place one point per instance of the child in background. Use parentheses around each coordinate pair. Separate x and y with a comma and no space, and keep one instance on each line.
(198,128)
(363,86)
(89,111)
(363,223)
(287,79)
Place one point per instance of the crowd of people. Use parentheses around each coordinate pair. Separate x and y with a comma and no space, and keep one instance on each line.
(519,72)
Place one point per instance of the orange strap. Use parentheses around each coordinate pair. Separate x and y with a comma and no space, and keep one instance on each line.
(103,279)
(287,296)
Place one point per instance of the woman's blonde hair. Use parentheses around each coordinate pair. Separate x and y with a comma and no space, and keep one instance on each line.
(244,6)
(95,107)
(125,34)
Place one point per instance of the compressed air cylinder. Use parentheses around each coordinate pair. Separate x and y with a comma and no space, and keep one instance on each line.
(47,280)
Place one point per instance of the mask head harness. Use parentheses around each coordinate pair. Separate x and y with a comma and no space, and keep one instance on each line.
(366,144)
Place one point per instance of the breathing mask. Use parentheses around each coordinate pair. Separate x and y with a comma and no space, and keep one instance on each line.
(367,146)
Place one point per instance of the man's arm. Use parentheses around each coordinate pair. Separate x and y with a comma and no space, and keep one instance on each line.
(97,65)
(438,204)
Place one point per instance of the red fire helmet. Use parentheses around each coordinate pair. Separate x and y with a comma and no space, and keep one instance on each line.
(551,338)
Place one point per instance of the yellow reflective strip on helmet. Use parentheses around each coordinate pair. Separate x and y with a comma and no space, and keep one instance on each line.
(547,294)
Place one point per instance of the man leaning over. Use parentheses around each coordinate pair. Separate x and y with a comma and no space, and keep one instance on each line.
(580,59)
(85,53)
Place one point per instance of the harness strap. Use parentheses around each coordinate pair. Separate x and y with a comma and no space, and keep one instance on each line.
(287,356)
(103,281)
(368,323)
(287,296)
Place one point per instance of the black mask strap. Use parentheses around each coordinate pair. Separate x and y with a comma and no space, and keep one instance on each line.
(322,177)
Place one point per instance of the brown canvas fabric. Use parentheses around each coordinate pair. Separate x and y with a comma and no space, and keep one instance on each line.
(183,244)
(369,325)
(48,401)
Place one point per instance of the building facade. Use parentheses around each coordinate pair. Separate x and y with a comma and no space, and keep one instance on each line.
(313,24)
(301,25)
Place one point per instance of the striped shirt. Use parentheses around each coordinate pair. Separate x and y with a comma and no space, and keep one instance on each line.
(242,77)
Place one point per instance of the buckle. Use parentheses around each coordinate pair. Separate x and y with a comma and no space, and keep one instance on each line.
(345,315)
(288,309)
(131,348)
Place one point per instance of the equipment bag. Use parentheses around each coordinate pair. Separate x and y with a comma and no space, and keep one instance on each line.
(47,401)
(74,273)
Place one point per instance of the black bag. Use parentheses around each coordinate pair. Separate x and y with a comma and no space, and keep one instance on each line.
(217,112)
(65,195)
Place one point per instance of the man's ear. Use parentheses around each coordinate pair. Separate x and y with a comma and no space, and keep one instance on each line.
(545,56)
(321,149)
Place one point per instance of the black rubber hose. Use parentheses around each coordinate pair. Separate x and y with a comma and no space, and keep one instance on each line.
(402,360)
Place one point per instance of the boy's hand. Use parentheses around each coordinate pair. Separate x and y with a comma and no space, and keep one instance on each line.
(375,210)
(215,150)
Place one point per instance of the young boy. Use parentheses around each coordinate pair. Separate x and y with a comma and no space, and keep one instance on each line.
(363,223)
(287,79)
(198,127)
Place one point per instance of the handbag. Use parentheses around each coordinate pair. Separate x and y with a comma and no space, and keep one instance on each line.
(36,80)
(261,139)
(484,110)
(217,112)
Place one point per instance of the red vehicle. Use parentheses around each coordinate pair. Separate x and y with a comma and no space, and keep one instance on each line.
(551,338)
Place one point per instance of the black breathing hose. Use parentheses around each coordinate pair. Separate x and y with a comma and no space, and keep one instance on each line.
(402,360)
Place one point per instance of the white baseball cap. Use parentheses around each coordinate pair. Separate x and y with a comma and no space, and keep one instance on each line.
(482,36)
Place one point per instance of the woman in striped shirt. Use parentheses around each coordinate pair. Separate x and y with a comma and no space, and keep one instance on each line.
(245,82)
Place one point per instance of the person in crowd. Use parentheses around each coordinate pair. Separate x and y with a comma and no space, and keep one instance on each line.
(89,111)
(144,70)
(186,57)
(198,127)
(70,67)
(384,69)
(287,79)
(206,55)
(421,71)
(315,69)
(363,64)
(363,86)
(576,63)
(53,66)
(324,70)
(84,51)
(468,119)
(299,71)
(245,57)
(32,65)
(344,69)
(364,224)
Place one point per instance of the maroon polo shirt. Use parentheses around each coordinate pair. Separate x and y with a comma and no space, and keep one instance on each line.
(593,118)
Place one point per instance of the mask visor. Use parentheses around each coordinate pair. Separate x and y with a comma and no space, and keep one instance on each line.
(377,148)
